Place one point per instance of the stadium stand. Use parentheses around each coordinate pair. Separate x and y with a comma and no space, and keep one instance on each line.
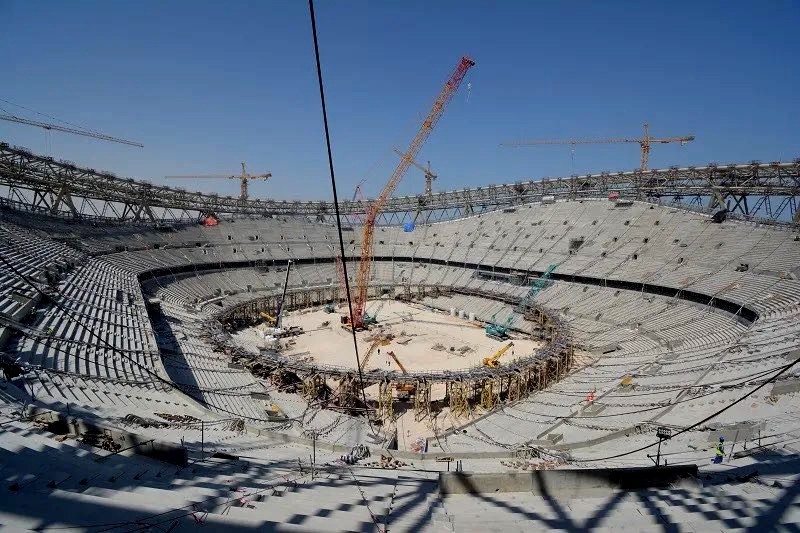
(676,317)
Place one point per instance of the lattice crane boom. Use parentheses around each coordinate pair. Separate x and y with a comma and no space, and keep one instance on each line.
(644,142)
(66,129)
(446,94)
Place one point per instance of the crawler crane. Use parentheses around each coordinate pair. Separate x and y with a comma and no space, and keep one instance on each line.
(359,318)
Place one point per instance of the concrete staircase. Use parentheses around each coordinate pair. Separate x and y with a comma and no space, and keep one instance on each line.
(46,484)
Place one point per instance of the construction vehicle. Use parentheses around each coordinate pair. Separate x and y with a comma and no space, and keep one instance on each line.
(381,341)
(404,390)
(644,142)
(279,321)
(271,320)
(359,318)
(244,178)
(492,360)
(500,331)
(330,308)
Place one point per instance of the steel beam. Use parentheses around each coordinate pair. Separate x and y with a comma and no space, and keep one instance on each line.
(35,183)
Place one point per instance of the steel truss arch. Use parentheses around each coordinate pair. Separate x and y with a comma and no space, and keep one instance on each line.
(33,182)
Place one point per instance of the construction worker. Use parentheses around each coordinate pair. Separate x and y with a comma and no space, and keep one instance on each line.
(590,396)
(719,451)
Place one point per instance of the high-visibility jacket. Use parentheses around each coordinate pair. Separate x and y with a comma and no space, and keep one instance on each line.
(719,450)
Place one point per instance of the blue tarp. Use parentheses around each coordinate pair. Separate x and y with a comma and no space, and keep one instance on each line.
(408,226)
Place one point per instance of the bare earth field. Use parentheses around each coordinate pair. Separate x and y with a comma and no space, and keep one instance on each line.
(424,339)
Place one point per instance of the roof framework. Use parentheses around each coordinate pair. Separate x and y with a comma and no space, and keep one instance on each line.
(767,191)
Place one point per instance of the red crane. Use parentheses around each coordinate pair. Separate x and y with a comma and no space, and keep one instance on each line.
(362,278)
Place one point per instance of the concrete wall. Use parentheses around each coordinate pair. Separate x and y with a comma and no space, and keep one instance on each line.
(567,483)
(160,450)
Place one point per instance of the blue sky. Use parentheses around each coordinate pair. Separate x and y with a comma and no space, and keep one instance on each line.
(206,84)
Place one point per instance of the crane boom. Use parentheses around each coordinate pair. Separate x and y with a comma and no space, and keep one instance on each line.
(279,322)
(65,129)
(491,361)
(399,364)
(362,279)
(244,178)
(645,141)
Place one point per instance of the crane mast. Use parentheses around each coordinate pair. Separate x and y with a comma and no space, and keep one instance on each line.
(429,175)
(243,178)
(362,278)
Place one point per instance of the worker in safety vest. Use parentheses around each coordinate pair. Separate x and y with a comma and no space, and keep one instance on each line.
(719,451)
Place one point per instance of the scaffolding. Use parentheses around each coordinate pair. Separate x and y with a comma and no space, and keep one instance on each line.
(458,392)
(312,387)
(489,394)
(385,401)
(422,400)
(348,392)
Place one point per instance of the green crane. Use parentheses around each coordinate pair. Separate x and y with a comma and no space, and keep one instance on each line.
(500,331)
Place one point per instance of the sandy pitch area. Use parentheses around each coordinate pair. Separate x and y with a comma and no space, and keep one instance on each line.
(424,339)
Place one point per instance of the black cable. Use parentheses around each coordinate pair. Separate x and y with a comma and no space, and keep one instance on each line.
(336,200)
(703,421)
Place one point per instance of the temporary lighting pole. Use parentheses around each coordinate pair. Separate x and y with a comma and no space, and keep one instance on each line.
(663,434)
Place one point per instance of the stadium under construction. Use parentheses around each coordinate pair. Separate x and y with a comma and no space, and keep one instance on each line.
(571,353)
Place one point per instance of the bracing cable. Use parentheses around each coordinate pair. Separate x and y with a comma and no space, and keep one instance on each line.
(775,376)
(336,199)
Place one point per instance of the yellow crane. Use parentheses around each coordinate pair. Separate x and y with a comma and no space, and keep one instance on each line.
(244,178)
(644,142)
(377,342)
(404,390)
(271,320)
(429,175)
(492,361)
(66,129)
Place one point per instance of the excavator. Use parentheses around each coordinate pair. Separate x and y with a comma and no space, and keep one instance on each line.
(404,390)
(492,361)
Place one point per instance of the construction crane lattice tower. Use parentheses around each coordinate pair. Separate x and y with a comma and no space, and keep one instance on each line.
(446,94)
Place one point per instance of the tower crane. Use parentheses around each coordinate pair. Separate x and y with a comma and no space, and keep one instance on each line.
(644,142)
(244,178)
(362,279)
(65,129)
(429,175)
